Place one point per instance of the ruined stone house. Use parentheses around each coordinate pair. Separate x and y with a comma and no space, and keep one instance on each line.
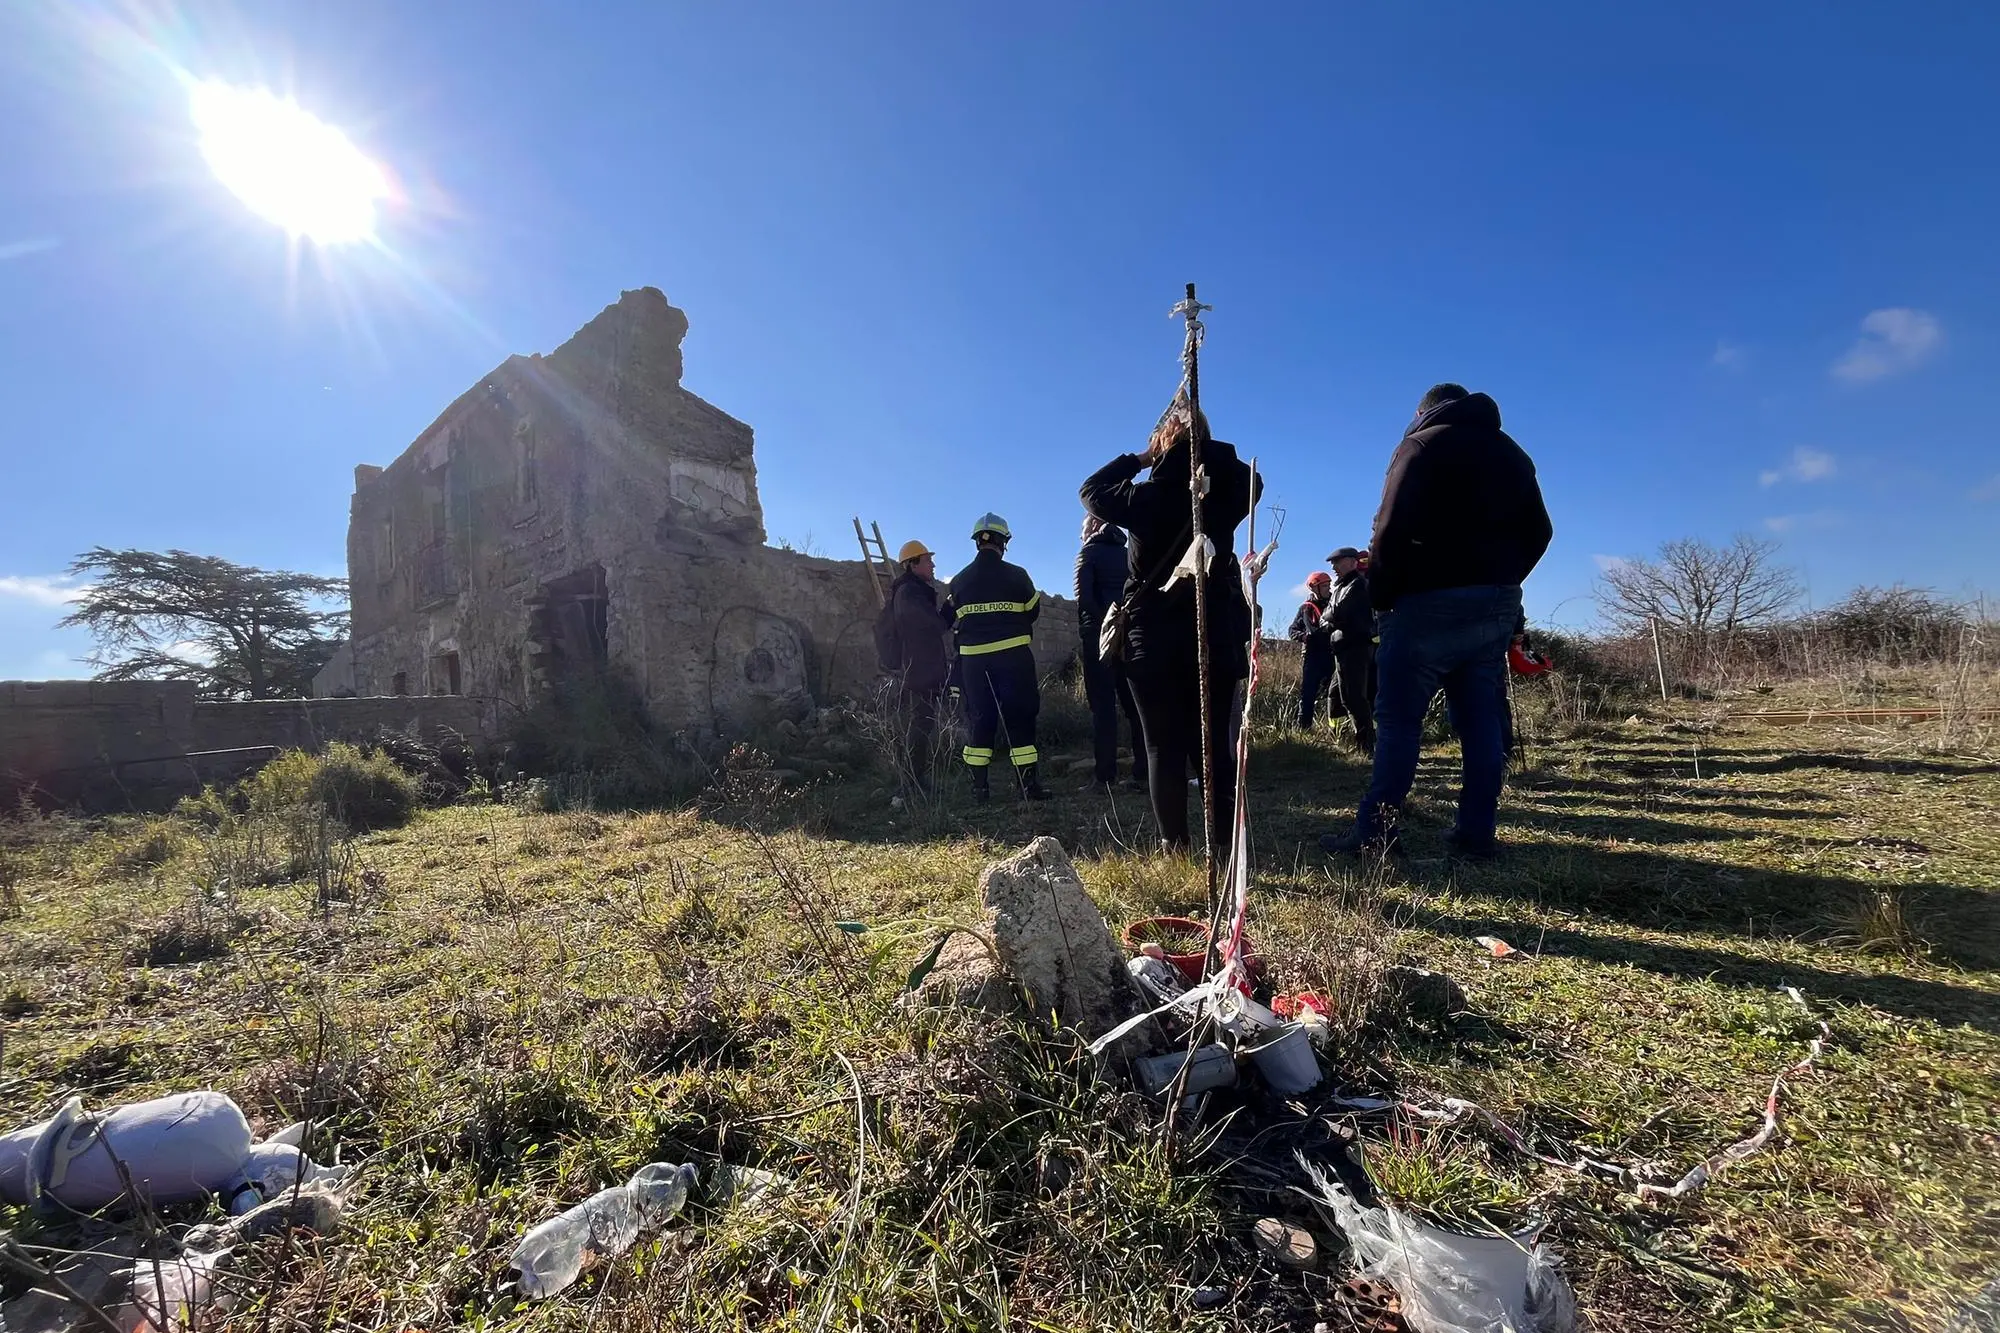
(581,510)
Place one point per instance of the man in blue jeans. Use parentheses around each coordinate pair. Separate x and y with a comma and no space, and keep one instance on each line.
(1461,525)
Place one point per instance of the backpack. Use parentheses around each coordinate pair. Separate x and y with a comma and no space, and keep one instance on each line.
(888,638)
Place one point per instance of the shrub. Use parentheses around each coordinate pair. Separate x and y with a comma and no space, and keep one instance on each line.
(362,790)
(154,843)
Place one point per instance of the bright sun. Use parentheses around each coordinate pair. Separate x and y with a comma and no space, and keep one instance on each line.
(286,164)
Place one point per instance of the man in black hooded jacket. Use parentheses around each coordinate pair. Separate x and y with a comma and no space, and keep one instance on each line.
(1101,570)
(1461,525)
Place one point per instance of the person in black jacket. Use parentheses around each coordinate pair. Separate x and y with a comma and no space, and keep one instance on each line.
(923,659)
(1160,645)
(994,606)
(1352,633)
(1313,631)
(1101,569)
(1461,525)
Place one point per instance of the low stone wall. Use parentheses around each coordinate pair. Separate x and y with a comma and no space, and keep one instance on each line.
(141,745)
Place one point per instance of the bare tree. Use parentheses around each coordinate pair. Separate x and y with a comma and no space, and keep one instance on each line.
(1699,591)
(238,632)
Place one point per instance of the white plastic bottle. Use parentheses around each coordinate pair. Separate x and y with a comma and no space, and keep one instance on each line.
(602,1227)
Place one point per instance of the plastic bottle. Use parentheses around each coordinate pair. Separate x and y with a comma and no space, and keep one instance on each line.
(603,1226)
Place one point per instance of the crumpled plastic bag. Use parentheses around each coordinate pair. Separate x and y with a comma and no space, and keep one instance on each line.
(1448,1282)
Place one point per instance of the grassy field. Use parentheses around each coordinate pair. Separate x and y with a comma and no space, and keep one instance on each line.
(496,1010)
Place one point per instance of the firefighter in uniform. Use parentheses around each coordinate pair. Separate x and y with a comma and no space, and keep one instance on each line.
(993,606)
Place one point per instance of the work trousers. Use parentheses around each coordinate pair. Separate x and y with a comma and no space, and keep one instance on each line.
(1000,687)
(1455,640)
(1170,714)
(1110,693)
(1315,675)
(1357,690)
(917,714)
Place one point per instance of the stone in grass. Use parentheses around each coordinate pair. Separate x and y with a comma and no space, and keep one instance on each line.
(1426,996)
(1286,1244)
(1053,956)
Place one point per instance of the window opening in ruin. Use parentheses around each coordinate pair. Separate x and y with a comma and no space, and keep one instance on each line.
(444,674)
(569,625)
(399,684)
(524,463)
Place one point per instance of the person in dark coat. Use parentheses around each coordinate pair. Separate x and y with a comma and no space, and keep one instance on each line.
(994,605)
(1462,523)
(1351,631)
(1101,569)
(923,641)
(1313,631)
(1160,647)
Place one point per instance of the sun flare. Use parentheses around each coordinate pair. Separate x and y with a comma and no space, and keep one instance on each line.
(290,167)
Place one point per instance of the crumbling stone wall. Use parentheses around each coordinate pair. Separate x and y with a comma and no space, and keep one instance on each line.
(142,744)
(593,468)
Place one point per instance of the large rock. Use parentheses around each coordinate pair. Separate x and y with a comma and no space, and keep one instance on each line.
(1053,956)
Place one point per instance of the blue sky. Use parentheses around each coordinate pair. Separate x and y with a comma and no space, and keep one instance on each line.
(1726,268)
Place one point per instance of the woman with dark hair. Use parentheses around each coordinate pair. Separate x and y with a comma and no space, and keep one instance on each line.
(1160,644)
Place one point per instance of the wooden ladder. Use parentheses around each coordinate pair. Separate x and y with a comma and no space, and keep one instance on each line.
(875,554)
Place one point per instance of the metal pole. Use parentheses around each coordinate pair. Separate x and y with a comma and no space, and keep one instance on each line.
(1190,310)
(1659,661)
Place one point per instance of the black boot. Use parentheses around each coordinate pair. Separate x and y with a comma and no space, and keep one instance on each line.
(982,790)
(1031,784)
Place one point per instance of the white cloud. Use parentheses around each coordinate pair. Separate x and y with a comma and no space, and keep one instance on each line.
(43,589)
(1987,491)
(190,651)
(1807,464)
(1818,518)
(1891,341)
(33,245)
(1729,355)
(1607,563)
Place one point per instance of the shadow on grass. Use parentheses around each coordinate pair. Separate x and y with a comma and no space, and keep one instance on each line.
(1912,997)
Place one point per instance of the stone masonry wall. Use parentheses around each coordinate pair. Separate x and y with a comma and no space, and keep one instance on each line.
(122,745)
(595,458)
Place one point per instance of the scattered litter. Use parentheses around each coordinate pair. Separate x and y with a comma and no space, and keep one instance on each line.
(1447,1281)
(317,1208)
(1302,1003)
(1500,948)
(176,1149)
(173,1295)
(1208,1067)
(602,1227)
(747,1186)
(1161,980)
(1281,1242)
(1757,1142)
(1210,1298)
(1287,1061)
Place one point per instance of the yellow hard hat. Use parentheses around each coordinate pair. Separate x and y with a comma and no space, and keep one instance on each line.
(912,551)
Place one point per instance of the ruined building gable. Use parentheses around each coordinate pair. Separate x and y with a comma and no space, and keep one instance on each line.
(582,509)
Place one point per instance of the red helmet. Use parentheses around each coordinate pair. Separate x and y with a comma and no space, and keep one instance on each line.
(1319,578)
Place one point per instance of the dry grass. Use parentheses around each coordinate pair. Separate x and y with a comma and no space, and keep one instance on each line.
(515,1007)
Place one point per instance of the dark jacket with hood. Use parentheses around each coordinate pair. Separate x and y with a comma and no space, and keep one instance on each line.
(1155,514)
(1314,628)
(1460,507)
(923,628)
(1100,580)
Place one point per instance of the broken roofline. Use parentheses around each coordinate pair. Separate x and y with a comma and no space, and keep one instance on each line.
(533,369)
